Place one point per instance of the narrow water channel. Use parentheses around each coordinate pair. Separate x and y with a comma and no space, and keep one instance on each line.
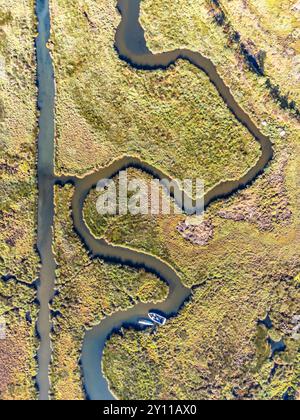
(131,45)
(46,97)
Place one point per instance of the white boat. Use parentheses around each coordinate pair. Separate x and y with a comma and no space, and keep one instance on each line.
(158,319)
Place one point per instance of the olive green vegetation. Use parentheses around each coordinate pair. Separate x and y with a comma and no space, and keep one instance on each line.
(215,348)
(106,109)
(139,231)
(18,140)
(266,206)
(17,364)
(258,43)
(270,29)
(18,201)
(186,24)
(88,290)
(236,35)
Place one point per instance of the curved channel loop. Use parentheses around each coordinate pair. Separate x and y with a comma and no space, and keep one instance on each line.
(131,46)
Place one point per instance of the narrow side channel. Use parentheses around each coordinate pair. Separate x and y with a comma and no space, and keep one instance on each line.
(46,98)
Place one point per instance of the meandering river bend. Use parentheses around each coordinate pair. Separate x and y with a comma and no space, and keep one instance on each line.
(131,46)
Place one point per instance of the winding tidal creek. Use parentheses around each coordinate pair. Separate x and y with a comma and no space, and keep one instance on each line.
(131,46)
